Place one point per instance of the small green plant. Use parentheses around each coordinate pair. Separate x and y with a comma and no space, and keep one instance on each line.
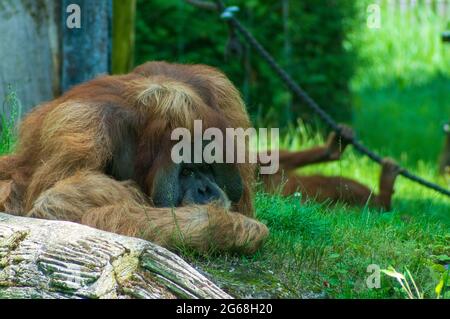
(442,289)
(9,116)
(405,280)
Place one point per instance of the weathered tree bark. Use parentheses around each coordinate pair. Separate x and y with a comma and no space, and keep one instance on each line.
(55,259)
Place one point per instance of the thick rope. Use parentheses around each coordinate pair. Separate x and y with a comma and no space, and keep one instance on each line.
(228,15)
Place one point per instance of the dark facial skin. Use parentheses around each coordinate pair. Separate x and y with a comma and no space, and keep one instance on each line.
(181,184)
(185,184)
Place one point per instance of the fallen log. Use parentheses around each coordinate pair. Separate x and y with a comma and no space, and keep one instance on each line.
(56,259)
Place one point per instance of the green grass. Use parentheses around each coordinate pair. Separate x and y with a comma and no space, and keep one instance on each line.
(406,50)
(10,112)
(401,99)
(405,123)
(325,249)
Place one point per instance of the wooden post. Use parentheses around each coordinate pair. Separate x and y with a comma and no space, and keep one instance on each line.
(86,49)
(29,51)
(124,12)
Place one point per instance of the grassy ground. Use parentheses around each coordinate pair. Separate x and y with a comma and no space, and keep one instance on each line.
(9,113)
(401,99)
(326,249)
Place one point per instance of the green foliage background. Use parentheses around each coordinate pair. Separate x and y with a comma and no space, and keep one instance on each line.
(306,37)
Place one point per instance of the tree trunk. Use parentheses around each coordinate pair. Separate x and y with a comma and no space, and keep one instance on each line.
(29,51)
(124,16)
(55,259)
(86,48)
